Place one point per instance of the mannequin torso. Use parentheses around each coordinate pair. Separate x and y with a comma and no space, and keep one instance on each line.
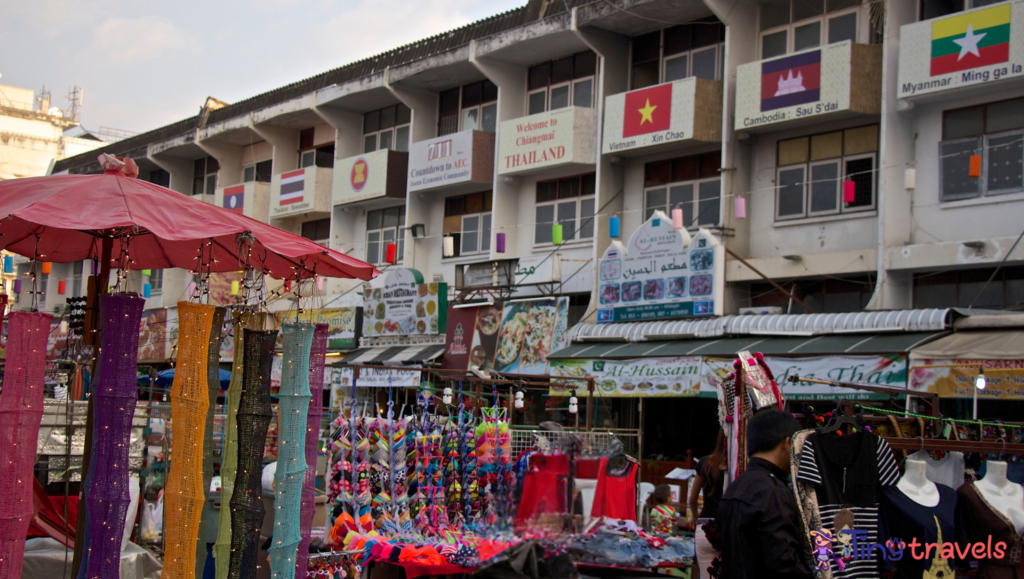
(1004,496)
(916,485)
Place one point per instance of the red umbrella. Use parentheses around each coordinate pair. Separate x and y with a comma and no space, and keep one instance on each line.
(65,218)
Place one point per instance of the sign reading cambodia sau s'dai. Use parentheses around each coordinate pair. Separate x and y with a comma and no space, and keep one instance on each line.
(809,84)
(549,139)
(969,48)
(662,273)
(676,111)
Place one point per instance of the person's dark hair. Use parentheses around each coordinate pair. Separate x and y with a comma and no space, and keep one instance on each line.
(711,468)
(768,428)
(662,493)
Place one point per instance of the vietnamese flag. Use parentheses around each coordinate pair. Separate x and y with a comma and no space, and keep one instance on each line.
(647,111)
(971,40)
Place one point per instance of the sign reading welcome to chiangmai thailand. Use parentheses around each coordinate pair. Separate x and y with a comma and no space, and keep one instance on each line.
(969,48)
(548,139)
(809,84)
(661,273)
(688,109)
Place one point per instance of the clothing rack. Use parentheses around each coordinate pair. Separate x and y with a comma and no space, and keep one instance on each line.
(987,447)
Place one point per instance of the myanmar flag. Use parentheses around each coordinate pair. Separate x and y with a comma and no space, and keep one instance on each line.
(971,40)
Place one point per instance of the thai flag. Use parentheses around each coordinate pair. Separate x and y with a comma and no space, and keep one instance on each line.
(292,185)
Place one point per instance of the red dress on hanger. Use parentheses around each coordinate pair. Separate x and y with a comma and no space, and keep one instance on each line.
(615,495)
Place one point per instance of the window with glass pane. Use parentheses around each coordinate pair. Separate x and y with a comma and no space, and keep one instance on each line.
(656,200)
(991,131)
(485,232)
(1004,156)
(791,192)
(471,119)
(559,97)
(489,118)
(862,172)
(386,139)
(370,143)
(807,36)
(373,247)
(264,170)
(704,63)
(842,28)
(582,93)
(249,174)
(567,219)
(677,68)
(824,187)
(561,83)
(538,100)
(470,233)
(307,159)
(587,217)
(710,203)
(774,44)
(681,197)
(545,218)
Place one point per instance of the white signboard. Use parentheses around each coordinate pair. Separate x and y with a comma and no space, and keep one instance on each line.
(643,377)
(661,273)
(649,116)
(889,370)
(969,48)
(539,268)
(547,139)
(361,177)
(443,161)
(379,378)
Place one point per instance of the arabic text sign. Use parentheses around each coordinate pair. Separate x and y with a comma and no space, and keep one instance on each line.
(973,47)
(643,377)
(1004,378)
(660,274)
(539,268)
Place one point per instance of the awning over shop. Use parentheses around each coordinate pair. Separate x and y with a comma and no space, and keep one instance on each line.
(974,345)
(849,344)
(394,355)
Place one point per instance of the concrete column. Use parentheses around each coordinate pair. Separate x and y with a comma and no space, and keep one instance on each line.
(286,146)
(180,170)
(511,83)
(613,78)
(230,159)
(894,290)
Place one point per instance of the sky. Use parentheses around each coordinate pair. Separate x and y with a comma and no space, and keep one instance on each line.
(147,63)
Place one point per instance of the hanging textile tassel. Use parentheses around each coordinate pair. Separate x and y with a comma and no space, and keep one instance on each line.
(253,419)
(291,459)
(317,358)
(184,497)
(213,389)
(114,396)
(229,459)
(21,410)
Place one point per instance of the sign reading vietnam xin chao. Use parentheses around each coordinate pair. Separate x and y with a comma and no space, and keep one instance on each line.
(661,273)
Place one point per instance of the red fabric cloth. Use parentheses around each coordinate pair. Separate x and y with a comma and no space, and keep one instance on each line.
(414,570)
(57,503)
(176,224)
(615,496)
(544,486)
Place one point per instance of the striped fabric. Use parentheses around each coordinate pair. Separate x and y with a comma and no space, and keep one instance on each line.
(865,518)
(292,186)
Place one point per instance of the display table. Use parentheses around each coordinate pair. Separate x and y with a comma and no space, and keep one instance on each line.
(50,559)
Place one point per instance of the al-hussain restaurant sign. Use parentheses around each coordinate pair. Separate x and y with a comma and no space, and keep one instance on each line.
(661,273)
(549,139)
(970,48)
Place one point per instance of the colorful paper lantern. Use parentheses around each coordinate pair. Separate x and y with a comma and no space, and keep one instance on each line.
(17,286)
(500,243)
(319,284)
(556,234)
(849,191)
(147,290)
(975,168)
(391,253)
(61,287)
(47,267)
(613,227)
(677,218)
(234,288)
(740,207)
(191,288)
(449,246)
(147,272)
(8,264)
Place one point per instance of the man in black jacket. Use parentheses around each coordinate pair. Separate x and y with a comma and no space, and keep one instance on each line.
(758,515)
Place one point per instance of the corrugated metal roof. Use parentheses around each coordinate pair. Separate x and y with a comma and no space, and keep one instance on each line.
(640,331)
(439,43)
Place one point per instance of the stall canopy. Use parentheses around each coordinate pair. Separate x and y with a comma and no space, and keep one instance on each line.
(950,366)
(974,345)
(848,344)
(395,355)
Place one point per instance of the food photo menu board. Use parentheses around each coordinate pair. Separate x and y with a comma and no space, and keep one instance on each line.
(401,305)
(529,331)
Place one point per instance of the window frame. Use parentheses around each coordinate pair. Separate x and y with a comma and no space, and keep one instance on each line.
(392,130)
(481,239)
(486,212)
(981,140)
(718,48)
(557,201)
(791,27)
(842,175)
(571,83)
(694,200)
(664,56)
(325,241)
(156,282)
(399,238)
(968,5)
(207,176)
(256,173)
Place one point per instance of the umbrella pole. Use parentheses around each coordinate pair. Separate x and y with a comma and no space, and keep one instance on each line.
(102,282)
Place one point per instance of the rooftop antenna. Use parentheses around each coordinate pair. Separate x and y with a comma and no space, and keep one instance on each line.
(75,98)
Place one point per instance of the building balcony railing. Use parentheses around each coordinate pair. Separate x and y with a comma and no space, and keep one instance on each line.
(560,138)
(452,162)
(251,199)
(966,52)
(674,113)
(831,82)
(301,191)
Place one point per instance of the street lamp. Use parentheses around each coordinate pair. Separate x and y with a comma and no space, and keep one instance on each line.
(979,384)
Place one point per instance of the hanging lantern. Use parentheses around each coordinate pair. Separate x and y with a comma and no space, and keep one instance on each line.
(519,400)
(849,192)
(61,287)
(287,285)
(234,288)
(447,398)
(975,168)
(556,234)
(449,246)
(499,244)
(677,218)
(17,286)
(47,267)
(573,405)
(740,207)
(391,253)
(8,264)
(147,290)
(147,272)
(613,228)
(319,284)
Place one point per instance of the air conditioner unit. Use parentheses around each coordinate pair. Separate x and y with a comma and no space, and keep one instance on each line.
(762,311)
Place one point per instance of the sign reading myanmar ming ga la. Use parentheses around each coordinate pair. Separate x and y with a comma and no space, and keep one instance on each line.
(969,48)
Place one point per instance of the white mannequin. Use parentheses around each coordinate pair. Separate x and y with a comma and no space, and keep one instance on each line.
(916,486)
(1005,497)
